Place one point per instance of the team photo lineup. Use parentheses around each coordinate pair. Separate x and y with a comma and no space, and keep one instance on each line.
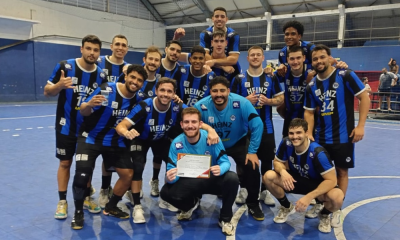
(196,109)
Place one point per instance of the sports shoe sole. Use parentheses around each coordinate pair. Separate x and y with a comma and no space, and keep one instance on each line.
(112,215)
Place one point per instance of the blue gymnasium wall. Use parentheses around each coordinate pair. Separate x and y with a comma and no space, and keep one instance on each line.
(25,68)
(358,58)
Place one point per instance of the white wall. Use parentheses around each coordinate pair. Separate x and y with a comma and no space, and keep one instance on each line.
(59,19)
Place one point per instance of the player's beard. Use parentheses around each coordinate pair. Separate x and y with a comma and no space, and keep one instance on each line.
(147,69)
(127,85)
(87,61)
(193,135)
(321,71)
(220,104)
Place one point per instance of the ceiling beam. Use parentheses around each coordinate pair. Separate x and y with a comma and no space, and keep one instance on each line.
(267,6)
(203,7)
(152,10)
(189,8)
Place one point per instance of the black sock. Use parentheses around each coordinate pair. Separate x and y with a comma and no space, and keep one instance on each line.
(62,195)
(105,181)
(156,172)
(136,198)
(78,205)
(263,188)
(318,201)
(87,192)
(284,202)
(325,211)
(114,200)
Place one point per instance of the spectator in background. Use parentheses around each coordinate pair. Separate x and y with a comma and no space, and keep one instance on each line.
(394,68)
(386,81)
(367,87)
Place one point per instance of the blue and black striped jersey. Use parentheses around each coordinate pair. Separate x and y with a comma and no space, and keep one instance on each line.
(151,123)
(229,76)
(307,47)
(68,117)
(169,73)
(245,84)
(113,70)
(149,86)
(232,37)
(335,98)
(99,127)
(313,163)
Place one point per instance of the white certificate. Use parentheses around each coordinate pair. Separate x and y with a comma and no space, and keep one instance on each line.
(193,166)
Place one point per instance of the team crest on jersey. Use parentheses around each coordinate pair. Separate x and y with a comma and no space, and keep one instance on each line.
(348,159)
(305,49)
(183,70)
(211,119)
(305,82)
(175,108)
(335,85)
(318,92)
(341,72)
(114,105)
(150,93)
(233,118)
(63,121)
(178,145)
(288,143)
(102,75)
(186,83)
(95,85)
(151,122)
(246,84)
(74,80)
(68,66)
(266,84)
(281,54)
(99,60)
(147,109)
(287,81)
(105,71)
(306,166)
(311,155)
(210,77)
(236,104)
(207,153)
(171,121)
(291,159)
(205,88)
(203,107)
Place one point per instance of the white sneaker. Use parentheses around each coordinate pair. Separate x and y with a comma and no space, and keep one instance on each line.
(164,205)
(313,212)
(324,223)
(284,213)
(267,198)
(154,191)
(128,195)
(227,228)
(313,202)
(137,215)
(337,219)
(91,205)
(62,210)
(186,216)
(104,196)
(242,196)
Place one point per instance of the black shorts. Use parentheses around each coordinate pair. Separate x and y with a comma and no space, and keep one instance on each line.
(384,92)
(140,147)
(65,146)
(302,185)
(239,151)
(341,154)
(113,157)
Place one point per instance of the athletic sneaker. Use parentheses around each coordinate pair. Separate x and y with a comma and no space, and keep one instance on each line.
(115,212)
(187,216)
(337,219)
(164,205)
(255,211)
(128,195)
(77,221)
(267,198)
(227,228)
(91,205)
(104,196)
(242,196)
(324,223)
(141,194)
(284,213)
(62,210)
(154,192)
(313,212)
(138,216)
(313,202)
(92,190)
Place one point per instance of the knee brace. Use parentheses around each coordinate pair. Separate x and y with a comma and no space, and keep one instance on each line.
(81,179)
(138,168)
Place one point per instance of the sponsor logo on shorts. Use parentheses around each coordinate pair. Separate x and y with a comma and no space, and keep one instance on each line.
(60,151)
(133,148)
(139,148)
(348,159)
(63,121)
(81,157)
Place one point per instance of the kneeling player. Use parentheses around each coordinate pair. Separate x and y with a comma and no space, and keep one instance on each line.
(310,172)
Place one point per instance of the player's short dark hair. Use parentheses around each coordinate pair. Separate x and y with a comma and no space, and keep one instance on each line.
(152,49)
(92,39)
(393,60)
(320,47)
(174,42)
(197,49)
(299,122)
(137,68)
(219,33)
(255,47)
(119,36)
(219,9)
(296,49)
(190,110)
(219,80)
(166,80)
(364,78)
(296,25)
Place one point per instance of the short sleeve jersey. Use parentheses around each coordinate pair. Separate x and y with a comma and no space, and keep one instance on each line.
(113,70)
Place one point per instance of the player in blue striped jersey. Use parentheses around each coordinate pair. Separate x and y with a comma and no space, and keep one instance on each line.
(263,92)
(151,120)
(333,91)
(184,192)
(233,116)
(103,110)
(303,167)
(152,62)
(193,83)
(72,80)
(113,65)
(169,65)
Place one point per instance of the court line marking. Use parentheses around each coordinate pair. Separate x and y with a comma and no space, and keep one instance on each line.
(339,234)
(28,117)
(374,177)
(383,128)
(235,219)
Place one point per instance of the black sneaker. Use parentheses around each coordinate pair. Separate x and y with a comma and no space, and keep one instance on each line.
(255,211)
(77,221)
(115,212)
